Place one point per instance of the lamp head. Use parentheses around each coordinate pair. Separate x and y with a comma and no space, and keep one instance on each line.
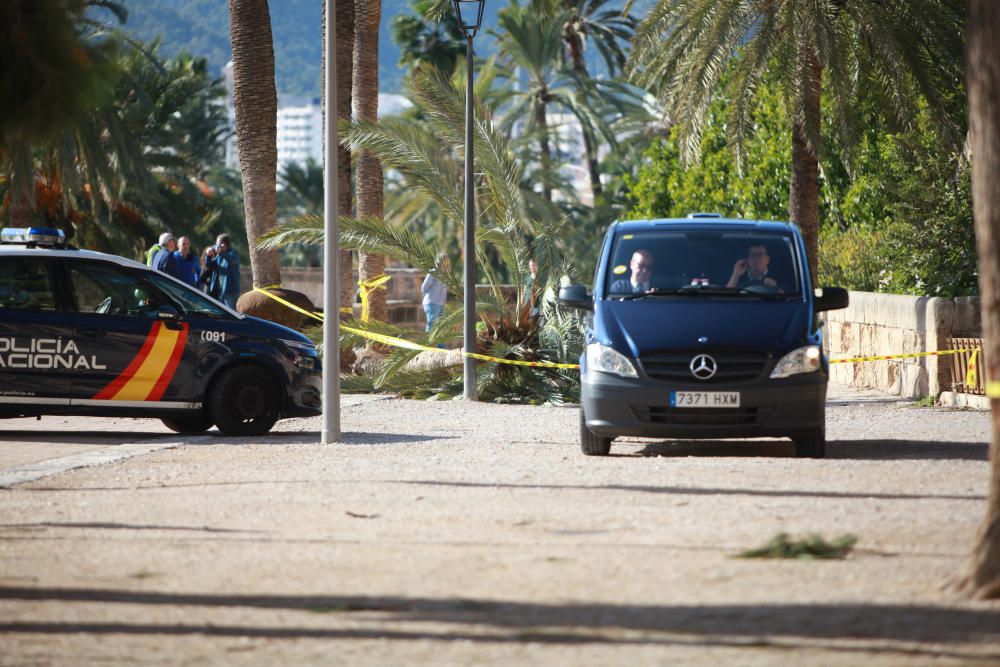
(470,15)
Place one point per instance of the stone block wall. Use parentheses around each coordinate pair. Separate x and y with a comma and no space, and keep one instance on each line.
(881,324)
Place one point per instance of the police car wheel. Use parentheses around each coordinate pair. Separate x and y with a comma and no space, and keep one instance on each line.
(184,424)
(591,443)
(244,401)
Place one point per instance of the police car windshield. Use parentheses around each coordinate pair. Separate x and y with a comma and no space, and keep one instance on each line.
(188,300)
(708,263)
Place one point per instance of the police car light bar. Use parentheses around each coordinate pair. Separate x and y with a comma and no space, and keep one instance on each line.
(33,236)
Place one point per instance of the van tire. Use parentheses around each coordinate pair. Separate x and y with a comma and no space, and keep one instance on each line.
(811,444)
(245,400)
(591,443)
(198,423)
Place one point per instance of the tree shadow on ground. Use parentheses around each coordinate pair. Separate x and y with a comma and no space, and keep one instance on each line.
(871,450)
(920,629)
(703,491)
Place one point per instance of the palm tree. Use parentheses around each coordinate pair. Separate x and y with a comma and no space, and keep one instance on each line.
(429,155)
(345,85)
(56,65)
(368,174)
(530,43)
(256,103)
(606,29)
(983,58)
(423,40)
(902,49)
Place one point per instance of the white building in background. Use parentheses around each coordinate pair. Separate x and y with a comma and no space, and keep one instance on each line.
(300,130)
(300,124)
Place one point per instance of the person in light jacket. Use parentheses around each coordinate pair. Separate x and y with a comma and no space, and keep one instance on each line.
(435,293)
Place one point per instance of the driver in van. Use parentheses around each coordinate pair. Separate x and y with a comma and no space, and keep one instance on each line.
(751,271)
(642,272)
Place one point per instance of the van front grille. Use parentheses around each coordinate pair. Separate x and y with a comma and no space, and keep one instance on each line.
(654,414)
(731,366)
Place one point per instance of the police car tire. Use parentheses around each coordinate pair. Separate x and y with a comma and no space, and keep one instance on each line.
(591,443)
(811,444)
(185,424)
(244,401)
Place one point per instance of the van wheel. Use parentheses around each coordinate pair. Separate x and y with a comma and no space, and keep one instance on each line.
(198,423)
(591,443)
(811,444)
(244,401)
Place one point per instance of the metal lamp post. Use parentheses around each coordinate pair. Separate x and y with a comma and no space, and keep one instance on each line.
(470,17)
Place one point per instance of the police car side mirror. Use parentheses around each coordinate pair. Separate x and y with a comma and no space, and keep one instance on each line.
(831,298)
(167,313)
(576,297)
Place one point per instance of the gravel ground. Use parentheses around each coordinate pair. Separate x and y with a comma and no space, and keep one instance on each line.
(454,533)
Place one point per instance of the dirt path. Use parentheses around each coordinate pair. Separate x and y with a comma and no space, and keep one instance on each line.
(449,533)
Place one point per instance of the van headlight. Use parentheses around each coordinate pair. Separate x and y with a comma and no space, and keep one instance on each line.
(803,360)
(607,360)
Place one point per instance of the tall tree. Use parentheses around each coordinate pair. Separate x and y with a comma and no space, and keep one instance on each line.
(53,71)
(345,65)
(368,176)
(345,79)
(911,48)
(983,82)
(256,103)
(606,29)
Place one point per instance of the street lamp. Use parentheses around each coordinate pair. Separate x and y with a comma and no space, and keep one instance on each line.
(470,18)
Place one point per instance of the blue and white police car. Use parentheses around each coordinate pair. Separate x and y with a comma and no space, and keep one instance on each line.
(86,333)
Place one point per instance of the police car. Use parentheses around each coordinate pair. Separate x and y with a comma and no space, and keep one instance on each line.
(85,333)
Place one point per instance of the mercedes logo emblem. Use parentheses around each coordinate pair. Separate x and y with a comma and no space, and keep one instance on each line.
(703,367)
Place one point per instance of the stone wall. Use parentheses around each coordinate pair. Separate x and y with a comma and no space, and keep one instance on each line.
(881,324)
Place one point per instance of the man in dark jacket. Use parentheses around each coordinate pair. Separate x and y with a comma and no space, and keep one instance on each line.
(223,265)
(188,266)
(164,259)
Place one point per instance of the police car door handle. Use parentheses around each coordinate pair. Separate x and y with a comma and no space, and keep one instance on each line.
(90,332)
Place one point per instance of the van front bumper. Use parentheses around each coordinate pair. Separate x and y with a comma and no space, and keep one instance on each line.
(784,407)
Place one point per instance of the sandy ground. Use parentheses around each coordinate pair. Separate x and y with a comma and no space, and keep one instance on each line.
(449,533)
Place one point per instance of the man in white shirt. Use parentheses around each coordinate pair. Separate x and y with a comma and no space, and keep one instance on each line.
(642,273)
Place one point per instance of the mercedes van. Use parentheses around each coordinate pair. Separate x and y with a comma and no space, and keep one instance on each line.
(703,327)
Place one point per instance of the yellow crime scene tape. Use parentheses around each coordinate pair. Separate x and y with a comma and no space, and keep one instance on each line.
(408,344)
(970,375)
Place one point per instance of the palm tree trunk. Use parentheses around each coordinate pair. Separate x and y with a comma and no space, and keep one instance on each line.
(541,120)
(574,44)
(345,45)
(345,68)
(803,191)
(369,170)
(255,100)
(982,579)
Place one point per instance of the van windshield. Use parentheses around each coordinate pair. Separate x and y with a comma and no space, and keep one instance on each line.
(750,264)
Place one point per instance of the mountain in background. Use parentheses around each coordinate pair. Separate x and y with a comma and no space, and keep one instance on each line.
(201,28)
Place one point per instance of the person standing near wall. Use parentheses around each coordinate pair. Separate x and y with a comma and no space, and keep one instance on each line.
(435,293)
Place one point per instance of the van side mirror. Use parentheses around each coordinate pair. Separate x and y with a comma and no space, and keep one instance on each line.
(830,298)
(576,297)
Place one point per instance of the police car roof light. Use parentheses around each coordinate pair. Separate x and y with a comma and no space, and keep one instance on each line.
(32,236)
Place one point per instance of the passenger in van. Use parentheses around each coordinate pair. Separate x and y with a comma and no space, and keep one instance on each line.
(642,273)
(751,271)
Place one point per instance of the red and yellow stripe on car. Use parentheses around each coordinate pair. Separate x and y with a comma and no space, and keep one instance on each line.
(150,372)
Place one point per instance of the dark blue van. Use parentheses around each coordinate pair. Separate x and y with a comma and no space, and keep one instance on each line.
(703,327)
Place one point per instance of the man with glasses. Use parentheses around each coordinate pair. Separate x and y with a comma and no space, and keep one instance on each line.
(751,271)
(642,273)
